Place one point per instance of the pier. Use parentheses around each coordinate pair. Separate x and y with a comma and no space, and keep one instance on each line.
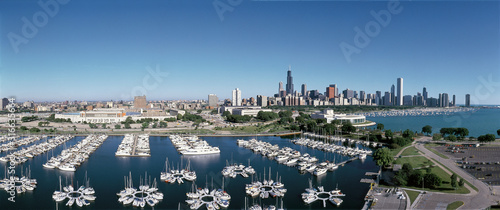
(134,146)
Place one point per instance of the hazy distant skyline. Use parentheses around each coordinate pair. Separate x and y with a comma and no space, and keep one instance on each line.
(110,50)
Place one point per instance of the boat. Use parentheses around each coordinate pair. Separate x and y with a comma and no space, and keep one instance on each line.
(335,200)
(319,171)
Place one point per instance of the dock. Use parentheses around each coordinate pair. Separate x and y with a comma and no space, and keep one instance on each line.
(347,161)
(134,146)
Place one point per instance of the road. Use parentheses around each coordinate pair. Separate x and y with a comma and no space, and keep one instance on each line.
(474,200)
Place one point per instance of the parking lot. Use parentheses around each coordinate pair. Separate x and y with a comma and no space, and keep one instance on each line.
(481,162)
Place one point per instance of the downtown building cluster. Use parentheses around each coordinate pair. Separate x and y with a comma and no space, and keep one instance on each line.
(287,96)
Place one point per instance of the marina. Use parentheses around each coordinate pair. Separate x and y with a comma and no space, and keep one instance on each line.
(211,199)
(134,145)
(22,155)
(176,175)
(146,194)
(106,169)
(79,197)
(192,145)
(70,158)
(238,169)
(18,184)
(314,194)
(14,144)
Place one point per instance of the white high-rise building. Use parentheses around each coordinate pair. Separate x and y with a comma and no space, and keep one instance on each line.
(212,100)
(236,100)
(399,100)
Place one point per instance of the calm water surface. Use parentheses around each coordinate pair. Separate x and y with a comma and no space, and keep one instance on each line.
(106,173)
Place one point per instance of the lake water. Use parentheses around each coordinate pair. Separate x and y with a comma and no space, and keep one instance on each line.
(480,122)
(107,172)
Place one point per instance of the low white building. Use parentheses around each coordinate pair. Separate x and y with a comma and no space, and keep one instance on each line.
(243,110)
(106,116)
(329,115)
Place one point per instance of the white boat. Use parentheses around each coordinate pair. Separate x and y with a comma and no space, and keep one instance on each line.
(319,171)
(335,200)
(206,150)
(67,167)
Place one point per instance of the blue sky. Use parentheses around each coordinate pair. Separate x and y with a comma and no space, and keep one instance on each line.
(101,50)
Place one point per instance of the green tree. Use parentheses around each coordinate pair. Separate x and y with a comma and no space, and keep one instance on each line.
(23,128)
(380,126)
(199,111)
(461,182)
(179,116)
(145,125)
(388,133)
(452,137)
(486,138)
(427,129)
(415,178)
(383,157)
(34,130)
(286,113)
(408,133)
(163,124)
(104,125)
(118,126)
(127,126)
(436,136)
(347,127)
(321,121)
(432,180)
(453,181)
(266,116)
(498,132)
(294,127)
(214,111)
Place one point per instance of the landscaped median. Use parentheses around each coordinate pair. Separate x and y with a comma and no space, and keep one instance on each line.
(454,205)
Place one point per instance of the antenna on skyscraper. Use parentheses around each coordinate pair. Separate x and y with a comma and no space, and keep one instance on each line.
(289,67)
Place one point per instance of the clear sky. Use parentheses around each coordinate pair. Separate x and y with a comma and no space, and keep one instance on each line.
(102,50)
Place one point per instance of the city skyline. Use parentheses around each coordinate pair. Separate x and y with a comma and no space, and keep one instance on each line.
(188,47)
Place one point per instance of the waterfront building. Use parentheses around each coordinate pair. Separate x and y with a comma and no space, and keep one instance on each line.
(407,100)
(424,93)
(348,93)
(432,102)
(236,99)
(454,104)
(393,95)
(289,81)
(378,97)
(329,115)
(387,99)
(467,100)
(400,92)
(331,91)
(261,100)
(440,100)
(446,101)
(212,100)
(139,102)
(281,91)
(3,103)
(362,96)
(304,90)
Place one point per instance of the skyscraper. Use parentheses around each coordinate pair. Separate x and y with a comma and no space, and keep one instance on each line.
(378,97)
(387,99)
(331,91)
(424,93)
(393,95)
(280,89)
(236,100)
(140,102)
(467,100)
(212,100)
(400,92)
(362,95)
(454,100)
(440,100)
(304,89)
(446,100)
(289,81)
(261,100)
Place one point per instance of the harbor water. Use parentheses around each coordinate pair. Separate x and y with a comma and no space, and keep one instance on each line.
(480,122)
(106,173)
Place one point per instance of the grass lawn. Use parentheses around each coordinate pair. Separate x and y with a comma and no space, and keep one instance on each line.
(473,187)
(394,152)
(416,162)
(413,195)
(410,151)
(429,147)
(445,187)
(454,205)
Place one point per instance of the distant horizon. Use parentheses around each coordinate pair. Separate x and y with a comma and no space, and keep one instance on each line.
(95,50)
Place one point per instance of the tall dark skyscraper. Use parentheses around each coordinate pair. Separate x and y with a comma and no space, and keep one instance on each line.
(304,89)
(424,94)
(467,100)
(393,95)
(289,81)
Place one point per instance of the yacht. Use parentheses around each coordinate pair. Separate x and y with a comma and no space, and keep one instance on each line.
(319,171)
(201,151)
(336,201)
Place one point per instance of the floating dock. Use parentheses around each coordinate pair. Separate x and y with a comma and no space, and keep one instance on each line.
(134,146)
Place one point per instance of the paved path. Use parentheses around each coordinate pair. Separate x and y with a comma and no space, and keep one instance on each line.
(474,200)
